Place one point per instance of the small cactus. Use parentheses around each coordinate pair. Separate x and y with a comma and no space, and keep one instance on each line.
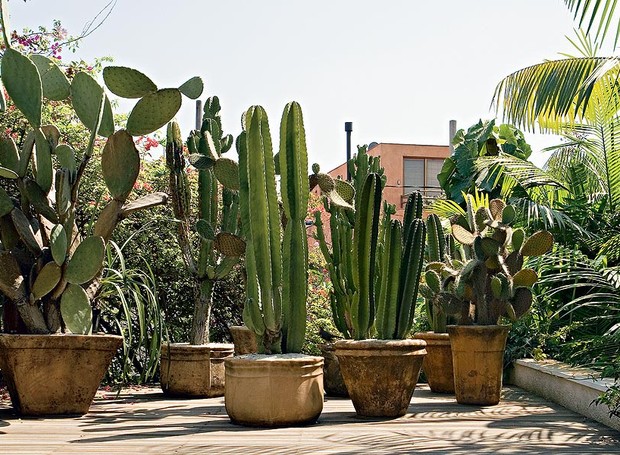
(488,281)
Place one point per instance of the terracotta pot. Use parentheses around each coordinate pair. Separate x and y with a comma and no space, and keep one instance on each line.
(274,390)
(55,374)
(380,375)
(243,339)
(332,377)
(437,364)
(193,371)
(478,356)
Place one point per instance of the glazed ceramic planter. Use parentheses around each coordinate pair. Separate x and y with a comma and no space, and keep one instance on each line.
(243,339)
(332,376)
(380,375)
(274,390)
(55,374)
(478,357)
(193,371)
(437,364)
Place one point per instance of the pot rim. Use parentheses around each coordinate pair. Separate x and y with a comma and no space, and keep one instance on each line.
(375,344)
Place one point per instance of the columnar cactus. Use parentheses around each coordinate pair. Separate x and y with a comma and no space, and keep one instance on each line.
(276,264)
(374,270)
(217,211)
(492,282)
(47,269)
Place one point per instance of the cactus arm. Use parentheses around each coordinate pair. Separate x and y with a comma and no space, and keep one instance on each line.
(264,218)
(388,296)
(411,269)
(251,310)
(364,251)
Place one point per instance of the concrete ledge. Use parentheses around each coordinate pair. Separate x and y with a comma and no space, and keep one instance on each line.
(572,387)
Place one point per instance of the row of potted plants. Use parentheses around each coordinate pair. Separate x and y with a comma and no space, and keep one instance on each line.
(49,271)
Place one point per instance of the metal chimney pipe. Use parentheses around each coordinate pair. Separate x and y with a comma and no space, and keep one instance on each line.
(348,127)
(198,114)
(452,134)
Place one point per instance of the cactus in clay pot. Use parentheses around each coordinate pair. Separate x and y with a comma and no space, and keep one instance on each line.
(374,265)
(488,281)
(48,270)
(276,262)
(217,210)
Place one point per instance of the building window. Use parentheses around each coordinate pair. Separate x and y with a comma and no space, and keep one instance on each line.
(421,174)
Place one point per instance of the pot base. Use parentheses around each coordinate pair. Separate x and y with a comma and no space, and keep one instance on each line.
(55,374)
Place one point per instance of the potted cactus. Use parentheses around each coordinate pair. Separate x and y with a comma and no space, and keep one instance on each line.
(197,369)
(375,267)
(479,283)
(278,386)
(437,364)
(49,270)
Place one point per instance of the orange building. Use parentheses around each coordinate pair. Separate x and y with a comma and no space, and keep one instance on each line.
(408,167)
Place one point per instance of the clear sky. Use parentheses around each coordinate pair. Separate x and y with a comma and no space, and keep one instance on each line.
(398,69)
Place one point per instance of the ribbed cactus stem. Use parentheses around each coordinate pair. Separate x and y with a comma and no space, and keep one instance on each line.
(264,226)
(364,253)
(294,189)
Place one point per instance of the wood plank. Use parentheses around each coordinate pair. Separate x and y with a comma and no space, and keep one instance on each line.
(144,421)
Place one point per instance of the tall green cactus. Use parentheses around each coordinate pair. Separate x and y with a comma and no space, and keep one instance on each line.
(276,265)
(217,212)
(489,281)
(48,270)
(374,266)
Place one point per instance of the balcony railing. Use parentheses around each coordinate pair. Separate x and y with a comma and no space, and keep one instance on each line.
(429,194)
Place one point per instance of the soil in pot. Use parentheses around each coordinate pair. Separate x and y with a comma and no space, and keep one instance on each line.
(380,375)
(478,357)
(55,374)
(437,364)
(193,371)
(274,390)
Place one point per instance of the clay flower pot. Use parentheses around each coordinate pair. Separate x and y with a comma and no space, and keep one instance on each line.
(380,375)
(274,390)
(55,374)
(478,357)
(243,339)
(332,376)
(437,364)
(193,371)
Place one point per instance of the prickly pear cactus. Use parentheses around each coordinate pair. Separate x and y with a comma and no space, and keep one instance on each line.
(489,280)
(48,270)
(213,245)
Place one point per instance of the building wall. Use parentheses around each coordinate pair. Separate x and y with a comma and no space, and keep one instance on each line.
(392,159)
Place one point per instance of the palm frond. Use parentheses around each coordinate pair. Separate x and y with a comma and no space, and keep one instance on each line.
(596,14)
(555,93)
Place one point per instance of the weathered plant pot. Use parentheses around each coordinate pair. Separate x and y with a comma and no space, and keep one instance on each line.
(55,374)
(243,339)
(332,377)
(380,375)
(274,390)
(193,371)
(478,355)
(437,364)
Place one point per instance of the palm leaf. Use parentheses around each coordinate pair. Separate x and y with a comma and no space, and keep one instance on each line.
(597,14)
(554,94)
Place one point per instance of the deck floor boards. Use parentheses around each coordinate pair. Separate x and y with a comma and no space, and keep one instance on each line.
(145,422)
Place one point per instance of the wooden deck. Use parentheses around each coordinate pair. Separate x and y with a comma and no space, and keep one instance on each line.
(143,421)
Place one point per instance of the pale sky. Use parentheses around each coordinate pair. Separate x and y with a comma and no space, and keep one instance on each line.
(398,69)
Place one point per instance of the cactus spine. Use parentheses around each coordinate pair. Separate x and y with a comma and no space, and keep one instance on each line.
(276,296)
